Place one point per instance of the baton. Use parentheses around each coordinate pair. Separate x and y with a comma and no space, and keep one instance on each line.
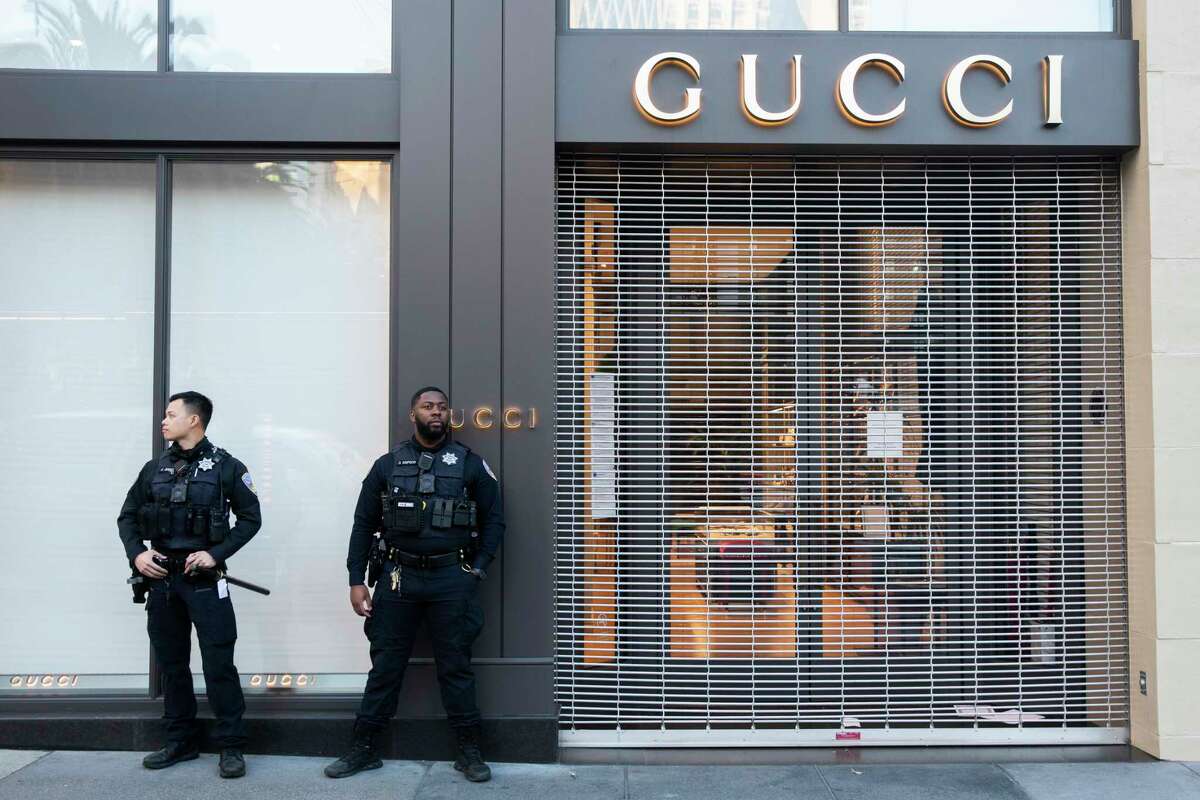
(214,573)
(246,585)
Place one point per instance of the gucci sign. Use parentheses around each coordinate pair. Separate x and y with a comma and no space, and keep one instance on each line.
(43,681)
(484,418)
(282,680)
(955,103)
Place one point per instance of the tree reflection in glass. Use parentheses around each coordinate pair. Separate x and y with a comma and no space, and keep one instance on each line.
(83,34)
(79,34)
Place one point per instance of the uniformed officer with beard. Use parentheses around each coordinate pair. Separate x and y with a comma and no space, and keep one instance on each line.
(436,508)
(180,503)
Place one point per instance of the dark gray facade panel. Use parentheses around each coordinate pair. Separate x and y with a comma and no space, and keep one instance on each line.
(421,214)
(421,237)
(207,107)
(505,690)
(528,330)
(475,248)
(1100,98)
(162,307)
(296,727)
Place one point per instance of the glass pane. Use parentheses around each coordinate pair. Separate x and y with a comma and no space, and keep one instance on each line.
(981,15)
(281,36)
(737,15)
(279,312)
(79,34)
(76,383)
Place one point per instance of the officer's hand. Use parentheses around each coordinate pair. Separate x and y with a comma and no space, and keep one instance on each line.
(360,600)
(200,560)
(145,564)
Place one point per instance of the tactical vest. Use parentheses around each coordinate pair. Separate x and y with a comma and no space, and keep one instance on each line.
(426,507)
(187,509)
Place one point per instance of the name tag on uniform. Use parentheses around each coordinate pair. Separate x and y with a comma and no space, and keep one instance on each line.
(222,588)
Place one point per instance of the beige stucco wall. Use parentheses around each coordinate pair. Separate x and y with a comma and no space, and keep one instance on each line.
(1162,360)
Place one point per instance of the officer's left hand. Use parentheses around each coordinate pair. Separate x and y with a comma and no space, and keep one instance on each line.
(200,560)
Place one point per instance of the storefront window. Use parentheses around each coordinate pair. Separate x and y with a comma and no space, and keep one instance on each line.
(281,36)
(79,34)
(749,15)
(77,333)
(279,312)
(840,442)
(981,15)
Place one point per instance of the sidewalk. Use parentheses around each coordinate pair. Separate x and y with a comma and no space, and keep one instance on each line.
(67,775)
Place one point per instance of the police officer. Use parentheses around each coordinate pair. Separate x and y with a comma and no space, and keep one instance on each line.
(180,503)
(437,508)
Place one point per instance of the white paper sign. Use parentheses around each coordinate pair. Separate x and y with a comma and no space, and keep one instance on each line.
(1045,643)
(875,522)
(885,434)
(602,391)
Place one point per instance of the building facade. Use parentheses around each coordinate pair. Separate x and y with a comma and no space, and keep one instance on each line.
(833,356)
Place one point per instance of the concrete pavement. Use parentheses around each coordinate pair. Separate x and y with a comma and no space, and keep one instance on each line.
(74,775)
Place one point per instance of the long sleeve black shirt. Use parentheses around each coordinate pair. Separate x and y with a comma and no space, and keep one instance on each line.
(243,502)
(481,485)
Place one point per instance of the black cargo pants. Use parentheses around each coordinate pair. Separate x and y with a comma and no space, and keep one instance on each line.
(173,605)
(447,598)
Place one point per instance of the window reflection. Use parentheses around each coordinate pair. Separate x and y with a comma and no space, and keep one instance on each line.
(79,34)
(279,312)
(778,15)
(281,36)
(981,15)
(77,333)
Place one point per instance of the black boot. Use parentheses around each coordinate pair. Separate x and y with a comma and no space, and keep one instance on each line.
(470,758)
(362,754)
(170,755)
(232,764)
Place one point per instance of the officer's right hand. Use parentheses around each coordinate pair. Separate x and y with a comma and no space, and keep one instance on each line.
(360,600)
(145,564)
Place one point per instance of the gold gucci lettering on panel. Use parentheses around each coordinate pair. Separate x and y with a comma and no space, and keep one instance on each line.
(952,97)
(643,99)
(844,93)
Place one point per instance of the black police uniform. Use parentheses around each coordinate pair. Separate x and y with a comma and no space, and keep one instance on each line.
(181,503)
(440,513)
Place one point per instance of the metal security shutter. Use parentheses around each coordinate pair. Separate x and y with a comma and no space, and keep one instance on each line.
(840,451)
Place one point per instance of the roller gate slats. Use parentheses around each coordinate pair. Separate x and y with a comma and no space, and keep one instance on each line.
(839,450)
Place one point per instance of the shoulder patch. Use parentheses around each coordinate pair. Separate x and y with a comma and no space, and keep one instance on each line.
(246,479)
(488,469)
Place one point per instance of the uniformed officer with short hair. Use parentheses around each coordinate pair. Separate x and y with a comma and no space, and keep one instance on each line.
(437,509)
(180,503)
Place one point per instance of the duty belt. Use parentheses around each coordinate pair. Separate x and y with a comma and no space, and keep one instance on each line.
(460,556)
(176,565)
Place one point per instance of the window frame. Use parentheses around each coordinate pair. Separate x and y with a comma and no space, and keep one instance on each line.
(1122,27)
(164,65)
(164,160)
